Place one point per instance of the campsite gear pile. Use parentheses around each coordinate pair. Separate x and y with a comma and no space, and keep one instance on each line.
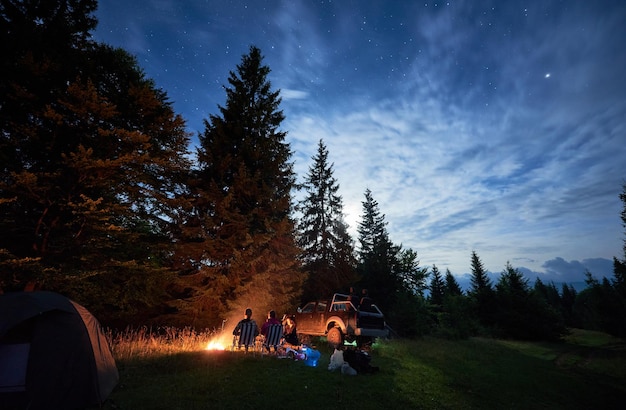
(307,354)
(351,362)
(53,353)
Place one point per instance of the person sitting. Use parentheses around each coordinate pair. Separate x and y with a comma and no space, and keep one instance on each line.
(290,330)
(265,329)
(366,303)
(271,320)
(354,299)
(246,330)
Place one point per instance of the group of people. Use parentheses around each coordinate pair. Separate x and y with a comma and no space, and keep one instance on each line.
(289,326)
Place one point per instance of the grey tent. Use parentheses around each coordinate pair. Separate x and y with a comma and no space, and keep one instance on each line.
(53,354)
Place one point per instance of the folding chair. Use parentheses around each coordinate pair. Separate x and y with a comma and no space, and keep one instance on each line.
(273,338)
(247,337)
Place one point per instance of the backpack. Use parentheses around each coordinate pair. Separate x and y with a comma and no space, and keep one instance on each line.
(358,360)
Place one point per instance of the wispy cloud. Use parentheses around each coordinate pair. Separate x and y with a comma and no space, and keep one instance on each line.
(288,94)
(443,110)
(502,163)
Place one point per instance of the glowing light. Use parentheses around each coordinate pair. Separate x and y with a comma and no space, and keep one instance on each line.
(547,75)
(215,345)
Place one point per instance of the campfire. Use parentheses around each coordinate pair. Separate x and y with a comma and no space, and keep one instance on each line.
(214,345)
(219,343)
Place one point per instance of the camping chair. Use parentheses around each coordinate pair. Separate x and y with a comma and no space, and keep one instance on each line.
(247,336)
(273,338)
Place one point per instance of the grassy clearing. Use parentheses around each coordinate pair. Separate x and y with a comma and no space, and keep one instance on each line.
(585,371)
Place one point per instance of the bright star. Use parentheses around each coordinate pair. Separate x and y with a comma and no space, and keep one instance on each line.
(547,75)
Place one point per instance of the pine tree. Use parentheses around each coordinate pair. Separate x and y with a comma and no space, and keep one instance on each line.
(619,264)
(568,301)
(548,292)
(96,161)
(512,293)
(512,281)
(412,278)
(41,45)
(522,314)
(622,197)
(437,287)
(481,292)
(378,256)
(407,310)
(242,198)
(327,249)
(452,286)
(603,305)
(479,280)
(455,319)
(619,276)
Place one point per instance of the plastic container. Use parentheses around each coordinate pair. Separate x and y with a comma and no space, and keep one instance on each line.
(312,356)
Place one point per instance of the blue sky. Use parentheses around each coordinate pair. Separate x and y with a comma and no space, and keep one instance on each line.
(490,126)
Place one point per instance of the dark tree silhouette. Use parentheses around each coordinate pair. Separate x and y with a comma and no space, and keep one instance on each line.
(521,313)
(242,201)
(412,278)
(437,287)
(602,306)
(481,292)
(479,280)
(327,249)
(452,286)
(94,163)
(619,264)
(377,255)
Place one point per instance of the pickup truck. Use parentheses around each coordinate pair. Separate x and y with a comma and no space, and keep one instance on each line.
(340,320)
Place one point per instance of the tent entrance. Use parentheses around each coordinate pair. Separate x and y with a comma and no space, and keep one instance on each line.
(14,359)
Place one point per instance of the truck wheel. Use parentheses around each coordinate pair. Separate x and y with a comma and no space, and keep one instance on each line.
(334,337)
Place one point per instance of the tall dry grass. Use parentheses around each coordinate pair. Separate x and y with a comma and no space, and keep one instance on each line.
(145,342)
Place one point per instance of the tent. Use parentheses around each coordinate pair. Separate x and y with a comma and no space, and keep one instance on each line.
(53,353)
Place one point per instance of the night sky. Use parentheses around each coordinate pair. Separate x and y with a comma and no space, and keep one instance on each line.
(490,126)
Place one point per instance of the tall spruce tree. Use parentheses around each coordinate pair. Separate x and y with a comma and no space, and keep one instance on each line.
(512,292)
(603,304)
(327,248)
(95,162)
(568,300)
(479,279)
(481,292)
(452,286)
(411,277)
(242,201)
(437,287)
(456,319)
(407,309)
(378,256)
(549,293)
(619,264)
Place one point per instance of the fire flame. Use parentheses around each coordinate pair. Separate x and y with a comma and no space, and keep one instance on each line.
(216,344)
(213,345)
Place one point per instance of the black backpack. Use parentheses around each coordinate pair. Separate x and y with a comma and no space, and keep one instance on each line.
(358,360)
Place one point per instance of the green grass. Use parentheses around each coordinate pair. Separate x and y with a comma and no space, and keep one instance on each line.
(586,371)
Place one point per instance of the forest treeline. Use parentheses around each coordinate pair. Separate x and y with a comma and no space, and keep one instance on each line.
(104,199)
